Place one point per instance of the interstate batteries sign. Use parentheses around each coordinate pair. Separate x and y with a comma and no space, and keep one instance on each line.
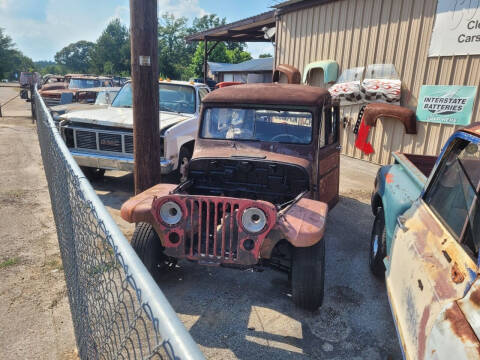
(446,104)
(457,28)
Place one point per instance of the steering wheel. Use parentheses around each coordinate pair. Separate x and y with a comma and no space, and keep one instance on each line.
(279,137)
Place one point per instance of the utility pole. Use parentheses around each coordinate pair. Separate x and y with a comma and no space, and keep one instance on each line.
(144,58)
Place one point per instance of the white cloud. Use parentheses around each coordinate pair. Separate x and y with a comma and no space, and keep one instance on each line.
(187,8)
(257,48)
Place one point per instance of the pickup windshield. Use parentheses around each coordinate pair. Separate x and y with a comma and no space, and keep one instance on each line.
(257,124)
(454,194)
(172,97)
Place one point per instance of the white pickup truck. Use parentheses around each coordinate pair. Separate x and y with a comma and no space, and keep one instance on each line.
(102,139)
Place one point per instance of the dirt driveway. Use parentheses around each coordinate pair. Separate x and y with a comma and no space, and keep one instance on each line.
(34,311)
(235,314)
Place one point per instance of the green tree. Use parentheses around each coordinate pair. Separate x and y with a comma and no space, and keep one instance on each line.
(264,56)
(112,49)
(173,53)
(219,54)
(237,55)
(77,57)
(12,60)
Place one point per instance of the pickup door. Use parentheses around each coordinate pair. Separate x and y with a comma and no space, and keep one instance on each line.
(434,251)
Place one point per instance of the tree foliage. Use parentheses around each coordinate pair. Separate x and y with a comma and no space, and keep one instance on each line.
(111,53)
(77,57)
(261,56)
(12,61)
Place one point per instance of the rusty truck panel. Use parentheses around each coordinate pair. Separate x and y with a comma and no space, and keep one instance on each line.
(429,271)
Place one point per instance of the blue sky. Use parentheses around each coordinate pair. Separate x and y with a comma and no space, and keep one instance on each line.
(42,27)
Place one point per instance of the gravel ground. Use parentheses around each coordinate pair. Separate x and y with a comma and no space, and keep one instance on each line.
(34,311)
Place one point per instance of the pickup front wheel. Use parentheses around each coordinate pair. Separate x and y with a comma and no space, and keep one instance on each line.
(378,244)
(308,275)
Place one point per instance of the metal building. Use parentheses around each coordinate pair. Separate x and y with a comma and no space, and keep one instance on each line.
(362,32)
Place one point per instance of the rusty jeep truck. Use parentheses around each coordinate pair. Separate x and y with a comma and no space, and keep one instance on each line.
(264,171)
(425,241)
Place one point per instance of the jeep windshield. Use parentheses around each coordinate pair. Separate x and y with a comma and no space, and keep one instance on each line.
(283,126)
(173,98)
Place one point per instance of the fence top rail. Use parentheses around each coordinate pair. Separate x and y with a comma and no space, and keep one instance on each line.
(152,300)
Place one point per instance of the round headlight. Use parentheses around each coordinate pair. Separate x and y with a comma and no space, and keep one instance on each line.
(170,213)
(254,220)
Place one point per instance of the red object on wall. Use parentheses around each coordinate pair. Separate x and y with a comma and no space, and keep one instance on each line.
(362,139)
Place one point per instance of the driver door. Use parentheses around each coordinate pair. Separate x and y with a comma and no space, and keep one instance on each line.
(434,253)
(328,156)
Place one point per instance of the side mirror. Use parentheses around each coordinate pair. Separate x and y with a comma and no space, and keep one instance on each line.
(24,94)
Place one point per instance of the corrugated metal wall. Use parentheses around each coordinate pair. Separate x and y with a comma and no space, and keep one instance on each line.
(362,32)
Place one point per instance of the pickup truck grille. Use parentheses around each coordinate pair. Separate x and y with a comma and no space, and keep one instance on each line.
(110,142)
(100,140)
(86,140)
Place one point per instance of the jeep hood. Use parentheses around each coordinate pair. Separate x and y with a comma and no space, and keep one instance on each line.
(119,117)
(296,155)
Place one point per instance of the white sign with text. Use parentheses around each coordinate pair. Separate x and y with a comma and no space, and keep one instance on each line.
(457,28)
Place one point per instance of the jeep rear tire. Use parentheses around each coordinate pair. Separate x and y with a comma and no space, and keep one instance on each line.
(378,244)
(308,275)
(147,245)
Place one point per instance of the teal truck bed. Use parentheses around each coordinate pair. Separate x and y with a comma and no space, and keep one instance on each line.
(398,185)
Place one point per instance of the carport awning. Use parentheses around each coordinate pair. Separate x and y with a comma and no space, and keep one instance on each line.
(246,30)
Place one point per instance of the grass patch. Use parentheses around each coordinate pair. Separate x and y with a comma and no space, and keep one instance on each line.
(55,264)
(9,262)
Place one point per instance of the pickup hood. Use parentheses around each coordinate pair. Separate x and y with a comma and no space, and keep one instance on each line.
(119,117)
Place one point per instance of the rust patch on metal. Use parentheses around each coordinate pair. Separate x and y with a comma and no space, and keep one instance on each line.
(389,178)
(460,326)
(443,287)
(457,275)
(422,339)
(475,297)
(430,223)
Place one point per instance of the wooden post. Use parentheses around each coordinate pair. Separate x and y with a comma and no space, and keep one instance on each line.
(205,58)
(144,57)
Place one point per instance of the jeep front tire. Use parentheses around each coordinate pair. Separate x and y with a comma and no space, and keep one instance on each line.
(308,275)
(147,245)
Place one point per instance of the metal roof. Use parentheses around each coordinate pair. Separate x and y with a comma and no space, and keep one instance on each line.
(263,64)
(245,30)
(292,5)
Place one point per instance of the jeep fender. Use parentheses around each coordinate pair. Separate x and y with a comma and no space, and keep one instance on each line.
(302,225)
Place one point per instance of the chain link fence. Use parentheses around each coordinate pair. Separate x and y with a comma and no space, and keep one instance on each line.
(118,311)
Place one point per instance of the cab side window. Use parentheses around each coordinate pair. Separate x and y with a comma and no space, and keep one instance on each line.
(453,193)
(329,128)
